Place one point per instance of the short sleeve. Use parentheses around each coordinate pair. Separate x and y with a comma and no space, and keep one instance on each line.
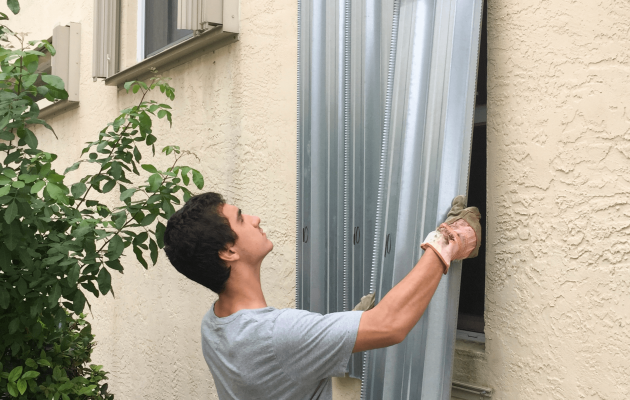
(311,346)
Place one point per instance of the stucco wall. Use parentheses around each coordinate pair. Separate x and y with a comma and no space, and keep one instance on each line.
(558,282)
(557,296)
(236,110)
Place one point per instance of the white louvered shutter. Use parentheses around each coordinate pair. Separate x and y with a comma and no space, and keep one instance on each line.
(105,59)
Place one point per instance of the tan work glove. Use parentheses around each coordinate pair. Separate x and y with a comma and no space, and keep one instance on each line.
(366,303)
(459,237)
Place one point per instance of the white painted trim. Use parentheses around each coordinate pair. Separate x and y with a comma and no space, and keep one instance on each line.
(140,31)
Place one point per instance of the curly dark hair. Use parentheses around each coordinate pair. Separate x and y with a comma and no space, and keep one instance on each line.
(194,236)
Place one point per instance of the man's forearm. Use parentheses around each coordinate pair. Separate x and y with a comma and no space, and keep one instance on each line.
(399,311)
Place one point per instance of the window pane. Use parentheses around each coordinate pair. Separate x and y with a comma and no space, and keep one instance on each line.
(161,26)
(175,34)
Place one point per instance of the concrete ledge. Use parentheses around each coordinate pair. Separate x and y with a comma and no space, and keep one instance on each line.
(57,108)
(179,54)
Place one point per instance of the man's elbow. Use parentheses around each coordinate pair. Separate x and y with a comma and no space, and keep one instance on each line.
(397,336)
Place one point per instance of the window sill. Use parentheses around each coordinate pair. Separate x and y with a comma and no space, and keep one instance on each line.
(57,108)
(466,391)
(179,54)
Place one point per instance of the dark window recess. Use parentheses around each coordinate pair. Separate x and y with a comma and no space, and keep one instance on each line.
(472,293)
(160,26)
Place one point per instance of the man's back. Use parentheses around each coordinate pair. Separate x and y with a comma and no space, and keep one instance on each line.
(268,353)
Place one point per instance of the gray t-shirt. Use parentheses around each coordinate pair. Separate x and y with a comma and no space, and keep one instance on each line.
(278,354)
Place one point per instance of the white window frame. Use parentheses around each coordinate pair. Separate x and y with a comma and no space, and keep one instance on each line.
(215,33)
(141,33)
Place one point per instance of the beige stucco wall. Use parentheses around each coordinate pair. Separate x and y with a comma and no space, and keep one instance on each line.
(558,270)
(236,110)
(557,296)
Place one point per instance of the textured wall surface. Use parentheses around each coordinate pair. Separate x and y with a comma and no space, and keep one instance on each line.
(558,272)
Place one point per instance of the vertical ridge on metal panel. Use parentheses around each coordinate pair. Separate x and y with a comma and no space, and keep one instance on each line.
(298,183)
(345,306)
(366,389)
(105,56)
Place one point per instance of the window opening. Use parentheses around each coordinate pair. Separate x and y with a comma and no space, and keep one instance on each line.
(472,292)
(160,26)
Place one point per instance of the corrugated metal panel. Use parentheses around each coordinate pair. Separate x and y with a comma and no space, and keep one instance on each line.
(321,129)
(395,78)
(66,61)
(74,61)
(105,58)
(189,14)
(231,16)
(59,63)
(200,14)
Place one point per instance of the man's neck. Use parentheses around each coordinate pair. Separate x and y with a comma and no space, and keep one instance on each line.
(242,292)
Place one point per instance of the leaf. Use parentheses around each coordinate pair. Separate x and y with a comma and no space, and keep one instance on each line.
(13,235)
(139,256)
(55,294)
(184,174)
(127,85)
(148,220)
(28,80)
(12,389)
(78,189)
(104,280)
(31,363)
(21,286)
(54,191)
(53,81)
(13,327)
(109,186)
(5,190)
(18,184)
(149,168)
(155,181)
(151,139)
(127,194)
(15,374)
(79,302)
(11,212)
(5,298)
(115,248)
(197,179)
(154,251)
(73,275)
(30,139)
(31,374)
(145,120)
(72,167)
(159,234)
(14,6)
(37,186)
(136,154)
(21,386)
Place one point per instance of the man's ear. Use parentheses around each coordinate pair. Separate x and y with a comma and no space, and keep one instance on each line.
(229,254)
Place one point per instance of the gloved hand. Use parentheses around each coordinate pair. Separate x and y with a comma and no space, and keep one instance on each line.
(366,303)
(458,237)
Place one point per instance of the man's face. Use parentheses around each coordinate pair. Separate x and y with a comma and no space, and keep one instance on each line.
(252,244)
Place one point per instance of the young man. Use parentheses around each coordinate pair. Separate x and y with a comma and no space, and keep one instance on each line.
(259,352)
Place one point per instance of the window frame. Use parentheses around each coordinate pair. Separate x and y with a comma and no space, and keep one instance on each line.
(140,33)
